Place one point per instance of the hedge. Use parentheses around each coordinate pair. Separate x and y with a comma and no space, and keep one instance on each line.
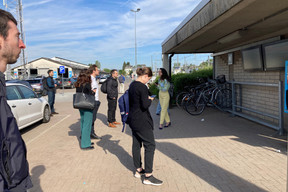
(181,80)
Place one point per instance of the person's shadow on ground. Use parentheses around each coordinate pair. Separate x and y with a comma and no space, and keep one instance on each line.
(113,147)
(36,172)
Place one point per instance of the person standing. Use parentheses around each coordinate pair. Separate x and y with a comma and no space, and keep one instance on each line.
(141,124)
(14,169)
(121,80)
(83,85)
(51,91)
(94,71)
(164,97)
(112,95)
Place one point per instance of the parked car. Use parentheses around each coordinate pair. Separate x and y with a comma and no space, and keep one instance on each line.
(67,82)
(102,79)
(26,105)
(36,84)
(21,82)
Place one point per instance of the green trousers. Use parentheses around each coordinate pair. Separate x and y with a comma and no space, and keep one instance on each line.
(86,123)
(164,98)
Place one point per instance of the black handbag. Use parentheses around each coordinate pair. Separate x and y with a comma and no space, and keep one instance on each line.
(83,101)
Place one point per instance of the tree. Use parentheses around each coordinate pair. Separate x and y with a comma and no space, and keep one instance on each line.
(106,70)
(177,64)
(98,64)
(124,66)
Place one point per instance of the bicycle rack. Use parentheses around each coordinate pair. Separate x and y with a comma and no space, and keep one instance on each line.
(235,108)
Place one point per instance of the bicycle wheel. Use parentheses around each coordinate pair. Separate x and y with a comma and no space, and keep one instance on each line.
(179,98)
(195,105)
(223,99)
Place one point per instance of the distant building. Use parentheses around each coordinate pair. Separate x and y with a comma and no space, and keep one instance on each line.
(39,67)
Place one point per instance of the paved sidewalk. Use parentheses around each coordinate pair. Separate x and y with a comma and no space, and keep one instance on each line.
(211,152)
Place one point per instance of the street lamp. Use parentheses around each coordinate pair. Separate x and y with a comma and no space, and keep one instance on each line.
(135,11)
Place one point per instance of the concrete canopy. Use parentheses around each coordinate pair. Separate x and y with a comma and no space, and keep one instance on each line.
(226,24)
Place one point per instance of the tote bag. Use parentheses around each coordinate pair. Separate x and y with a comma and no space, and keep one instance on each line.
(83,101)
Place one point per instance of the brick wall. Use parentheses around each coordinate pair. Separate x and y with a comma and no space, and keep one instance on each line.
(261,98)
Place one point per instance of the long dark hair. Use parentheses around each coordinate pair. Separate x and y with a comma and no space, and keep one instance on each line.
(83,78)
(164,75)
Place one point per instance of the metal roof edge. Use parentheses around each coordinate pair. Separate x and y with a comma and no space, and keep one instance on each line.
(202,4)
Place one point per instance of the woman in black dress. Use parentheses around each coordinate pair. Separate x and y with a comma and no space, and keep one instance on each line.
(141,123)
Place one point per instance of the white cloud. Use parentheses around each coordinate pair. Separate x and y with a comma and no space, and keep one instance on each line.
(84,33)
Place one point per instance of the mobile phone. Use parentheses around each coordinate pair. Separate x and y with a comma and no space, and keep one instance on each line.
(153,96)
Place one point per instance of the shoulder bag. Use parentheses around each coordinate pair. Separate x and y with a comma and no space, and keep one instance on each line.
(83,101)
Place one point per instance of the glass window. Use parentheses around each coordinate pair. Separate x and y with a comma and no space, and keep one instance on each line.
(27,93)
(12,93)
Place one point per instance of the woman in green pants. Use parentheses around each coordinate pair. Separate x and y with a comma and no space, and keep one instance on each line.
(83,84)
(164,97)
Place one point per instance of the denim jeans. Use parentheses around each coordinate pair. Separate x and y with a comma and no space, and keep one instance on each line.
(51,100)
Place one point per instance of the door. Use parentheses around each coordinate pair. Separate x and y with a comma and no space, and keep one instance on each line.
(33,103)
(18,105)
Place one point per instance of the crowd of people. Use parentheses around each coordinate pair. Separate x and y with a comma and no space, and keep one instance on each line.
(13,149)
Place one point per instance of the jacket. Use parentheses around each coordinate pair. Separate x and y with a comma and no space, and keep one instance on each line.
(51,84)
(112,88)
(139,117)
(14,168)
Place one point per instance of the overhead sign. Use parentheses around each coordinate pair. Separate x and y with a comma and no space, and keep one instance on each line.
(70,74)
(62,69)
(286,88)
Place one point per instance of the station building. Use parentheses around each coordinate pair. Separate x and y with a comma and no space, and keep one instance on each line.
(249,42)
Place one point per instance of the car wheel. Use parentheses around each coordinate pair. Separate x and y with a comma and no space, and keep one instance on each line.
(46,115)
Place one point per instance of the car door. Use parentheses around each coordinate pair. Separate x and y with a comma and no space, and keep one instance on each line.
(18,105)
(33,103)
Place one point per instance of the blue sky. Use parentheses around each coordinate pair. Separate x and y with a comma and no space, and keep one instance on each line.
(90,30)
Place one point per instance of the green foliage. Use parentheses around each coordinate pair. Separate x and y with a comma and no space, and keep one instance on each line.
(181,80)
(153,88)
(98,64)
(125,65)
(106,70)
(122,72)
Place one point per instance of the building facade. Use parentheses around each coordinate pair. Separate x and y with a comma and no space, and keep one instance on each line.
(249,42)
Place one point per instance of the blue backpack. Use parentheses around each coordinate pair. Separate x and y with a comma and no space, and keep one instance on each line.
(123,103)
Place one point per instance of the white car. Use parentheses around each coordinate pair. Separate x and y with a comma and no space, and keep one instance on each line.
(26,105)
(102,79)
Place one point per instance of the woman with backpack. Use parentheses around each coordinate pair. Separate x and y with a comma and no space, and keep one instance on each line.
(164,97)
(141,123)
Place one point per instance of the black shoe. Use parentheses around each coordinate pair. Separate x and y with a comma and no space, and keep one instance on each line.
(152,181)
(92,143)
(54,113)
(94,136)
(139,174)
(169,124)
(88,148)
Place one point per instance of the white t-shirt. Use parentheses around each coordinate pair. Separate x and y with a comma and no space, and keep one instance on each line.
(94,85)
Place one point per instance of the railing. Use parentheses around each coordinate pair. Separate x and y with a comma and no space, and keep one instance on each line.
(235,108)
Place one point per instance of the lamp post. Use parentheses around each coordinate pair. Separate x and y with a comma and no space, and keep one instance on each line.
(135,11)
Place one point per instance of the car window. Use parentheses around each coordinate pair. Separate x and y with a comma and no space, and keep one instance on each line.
(12,93)
(27,93)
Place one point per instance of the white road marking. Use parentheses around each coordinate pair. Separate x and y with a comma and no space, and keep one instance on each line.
(27,143)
